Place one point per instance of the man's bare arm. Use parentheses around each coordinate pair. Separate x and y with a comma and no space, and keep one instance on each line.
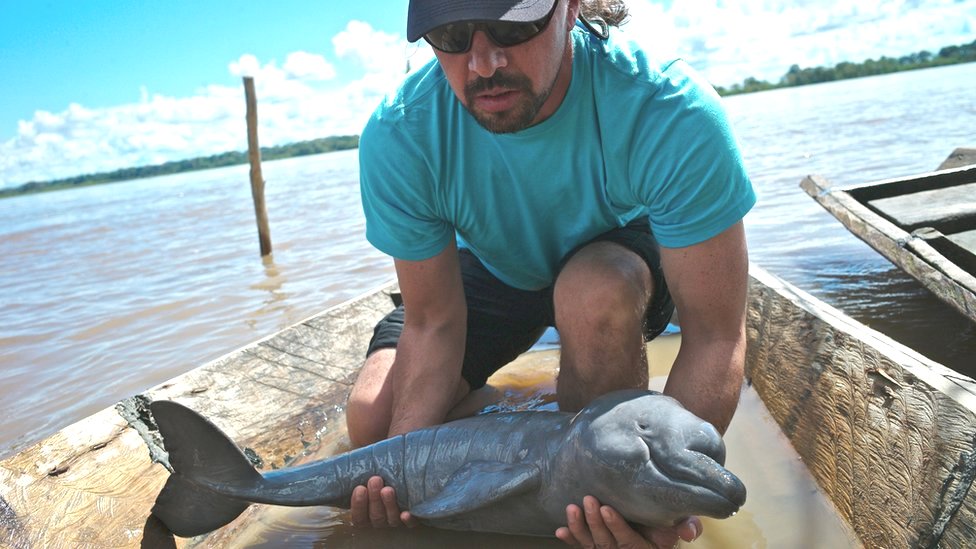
(427,371)
(708,282)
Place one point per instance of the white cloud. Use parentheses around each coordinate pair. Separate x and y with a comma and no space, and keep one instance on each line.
(376,51)
(308,66)
(729,41)
(298,100)
(246,65)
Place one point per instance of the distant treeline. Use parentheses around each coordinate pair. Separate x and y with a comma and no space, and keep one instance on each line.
(800,77)
(302,148)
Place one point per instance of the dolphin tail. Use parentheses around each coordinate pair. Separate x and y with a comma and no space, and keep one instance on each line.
(205,462)
(188,510)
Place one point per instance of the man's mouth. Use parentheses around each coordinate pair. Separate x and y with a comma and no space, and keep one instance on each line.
(496,100)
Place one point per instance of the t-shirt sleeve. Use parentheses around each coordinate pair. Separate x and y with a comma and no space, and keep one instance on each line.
(398,195)
(687,166)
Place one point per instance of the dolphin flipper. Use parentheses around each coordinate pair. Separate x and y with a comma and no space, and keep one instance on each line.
(479,484)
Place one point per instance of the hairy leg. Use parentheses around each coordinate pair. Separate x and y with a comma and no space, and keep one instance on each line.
(370,407)
(369,411)
(600,300)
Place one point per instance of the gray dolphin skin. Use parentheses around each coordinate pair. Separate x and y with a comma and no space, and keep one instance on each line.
(638,451)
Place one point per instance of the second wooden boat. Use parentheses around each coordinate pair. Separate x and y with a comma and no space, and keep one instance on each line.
(925,224)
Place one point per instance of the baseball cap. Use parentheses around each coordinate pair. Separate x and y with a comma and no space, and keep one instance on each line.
(426,15)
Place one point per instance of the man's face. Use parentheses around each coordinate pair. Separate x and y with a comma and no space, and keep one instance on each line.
(510,89)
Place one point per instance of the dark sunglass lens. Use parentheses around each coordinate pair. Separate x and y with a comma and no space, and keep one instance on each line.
(511,34)
(451,38)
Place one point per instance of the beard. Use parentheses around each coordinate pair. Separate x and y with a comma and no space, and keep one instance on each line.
(515,119)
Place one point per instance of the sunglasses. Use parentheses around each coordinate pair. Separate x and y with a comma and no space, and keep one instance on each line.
(457,37)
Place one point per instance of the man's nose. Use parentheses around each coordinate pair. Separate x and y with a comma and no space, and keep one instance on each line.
(485,57)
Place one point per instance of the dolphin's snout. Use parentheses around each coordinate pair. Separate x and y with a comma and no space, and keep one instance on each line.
(693,461)
(734,490)
(682,452)
(708,443)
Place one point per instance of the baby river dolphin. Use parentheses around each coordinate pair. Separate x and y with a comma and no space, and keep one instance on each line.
(638,451)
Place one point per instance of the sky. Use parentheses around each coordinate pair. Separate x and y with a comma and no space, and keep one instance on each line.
(97,85)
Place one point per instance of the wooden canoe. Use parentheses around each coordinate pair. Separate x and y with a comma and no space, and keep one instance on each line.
(925,224)
(889,435)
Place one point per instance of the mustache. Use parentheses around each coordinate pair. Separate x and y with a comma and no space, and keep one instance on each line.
(497,80)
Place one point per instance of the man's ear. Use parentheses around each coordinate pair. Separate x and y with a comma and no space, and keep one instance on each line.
(572,12)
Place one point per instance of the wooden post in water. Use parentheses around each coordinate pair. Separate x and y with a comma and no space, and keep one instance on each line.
(254,155)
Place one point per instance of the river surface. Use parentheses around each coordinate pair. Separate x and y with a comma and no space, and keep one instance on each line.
(108,290)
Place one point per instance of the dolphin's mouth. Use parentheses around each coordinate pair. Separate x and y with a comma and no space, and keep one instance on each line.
(698,478)
(716,481)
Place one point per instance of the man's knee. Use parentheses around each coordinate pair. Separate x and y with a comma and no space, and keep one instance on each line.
(604,282)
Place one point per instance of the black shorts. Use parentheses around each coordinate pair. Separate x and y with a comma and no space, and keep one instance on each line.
(504,322)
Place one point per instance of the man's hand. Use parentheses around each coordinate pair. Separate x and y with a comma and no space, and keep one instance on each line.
(376,505)
(601,526)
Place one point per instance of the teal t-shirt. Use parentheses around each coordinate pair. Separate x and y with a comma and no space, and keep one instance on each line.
(632,137)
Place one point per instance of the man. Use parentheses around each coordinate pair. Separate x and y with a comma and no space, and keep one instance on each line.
(524,179)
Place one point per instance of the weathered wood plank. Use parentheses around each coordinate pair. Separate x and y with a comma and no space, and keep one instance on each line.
(942,179)
(965,239)
(938,261)
(962,156)
(78,487)
(93,483)
(932,208)
(888,434)
(952,250)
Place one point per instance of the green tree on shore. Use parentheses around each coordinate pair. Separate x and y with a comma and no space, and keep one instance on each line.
(302,148)
(798,76)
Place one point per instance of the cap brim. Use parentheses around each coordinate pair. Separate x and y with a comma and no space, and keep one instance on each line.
(426,15)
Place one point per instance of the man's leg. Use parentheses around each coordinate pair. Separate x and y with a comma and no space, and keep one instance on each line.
(502,323)
(369,410)
(600,299)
